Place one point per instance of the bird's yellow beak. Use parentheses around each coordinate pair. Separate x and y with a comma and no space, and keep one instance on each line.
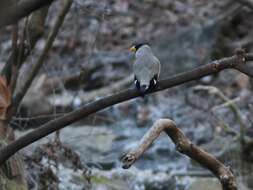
(133,49)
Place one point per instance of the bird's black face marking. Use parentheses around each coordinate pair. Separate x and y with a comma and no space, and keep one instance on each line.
(137,46)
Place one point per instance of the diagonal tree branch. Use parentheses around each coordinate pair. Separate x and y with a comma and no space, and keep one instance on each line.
(184,146)
(95,106)
(23,8)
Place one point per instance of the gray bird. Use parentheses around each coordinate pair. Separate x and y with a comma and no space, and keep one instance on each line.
(146,68)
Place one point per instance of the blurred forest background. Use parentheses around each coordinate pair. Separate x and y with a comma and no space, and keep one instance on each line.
(90,59)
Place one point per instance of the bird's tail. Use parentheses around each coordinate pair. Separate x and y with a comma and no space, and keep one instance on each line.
(143,89)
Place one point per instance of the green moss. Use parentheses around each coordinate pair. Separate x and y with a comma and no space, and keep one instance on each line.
(7,184)
(100,180)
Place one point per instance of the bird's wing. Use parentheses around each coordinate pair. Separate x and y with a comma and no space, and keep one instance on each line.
(153,65)
(145,68)
(157,66)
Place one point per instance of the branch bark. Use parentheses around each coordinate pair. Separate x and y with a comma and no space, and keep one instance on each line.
(230,62)
(184,146)
(17,11)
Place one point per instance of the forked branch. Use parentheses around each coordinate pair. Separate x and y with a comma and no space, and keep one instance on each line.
(184,146)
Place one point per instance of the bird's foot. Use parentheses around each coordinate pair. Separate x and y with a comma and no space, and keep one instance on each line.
(153,84)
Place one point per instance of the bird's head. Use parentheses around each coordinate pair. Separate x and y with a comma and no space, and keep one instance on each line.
(135,47)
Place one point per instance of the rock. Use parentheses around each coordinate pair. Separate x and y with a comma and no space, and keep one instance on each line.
(133,179)
(209,183)
(97,138)
(107,164)
(92,143)
(205,184)
(193,41)
(202,134)
(35,101)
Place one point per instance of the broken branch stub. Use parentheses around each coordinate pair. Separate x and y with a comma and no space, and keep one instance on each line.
(184,146)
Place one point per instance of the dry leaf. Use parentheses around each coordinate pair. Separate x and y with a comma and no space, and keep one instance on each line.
(5,97)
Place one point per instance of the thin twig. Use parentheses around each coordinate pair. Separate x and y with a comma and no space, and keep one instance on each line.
(21,50)
(100,104)
(226,104)
(232,106)
(184,146)
(38,117)
(14,69)
(32,30)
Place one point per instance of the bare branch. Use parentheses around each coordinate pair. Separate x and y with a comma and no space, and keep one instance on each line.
(35,27)
(17,11)
(33,31)
(20,94)
(184,146)
(93,107)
